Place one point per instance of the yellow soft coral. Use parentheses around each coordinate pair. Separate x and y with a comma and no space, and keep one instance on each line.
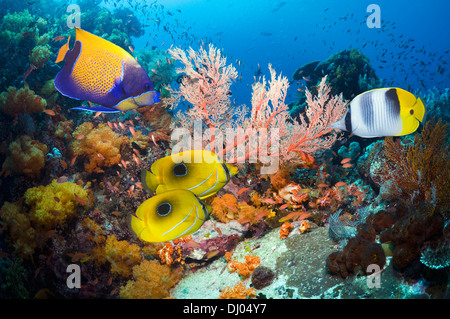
(100,145)
(55,202)
(122,255)
(17,222)
(26,156)
(151,281)
(13,101)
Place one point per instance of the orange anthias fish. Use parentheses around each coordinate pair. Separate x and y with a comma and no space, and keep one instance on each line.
(101,72)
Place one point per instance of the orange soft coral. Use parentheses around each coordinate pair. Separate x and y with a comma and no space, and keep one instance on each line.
(244,269)
(237,292)
(26,156)
(151,281)
(304,226)
(122,255)
(281,178)
(101,146)
(227,208)
(13,101)
(285,229)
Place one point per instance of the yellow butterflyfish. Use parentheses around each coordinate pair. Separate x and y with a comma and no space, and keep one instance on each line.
(199,171)
(170,215)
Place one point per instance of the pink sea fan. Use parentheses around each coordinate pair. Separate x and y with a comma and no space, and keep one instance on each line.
(315,133)
(205,84)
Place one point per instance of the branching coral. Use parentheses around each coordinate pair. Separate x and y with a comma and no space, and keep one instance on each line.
(151,281)
(13,101)
(101,146)
(55,202)
(422,171)
(206,85)
(26,156)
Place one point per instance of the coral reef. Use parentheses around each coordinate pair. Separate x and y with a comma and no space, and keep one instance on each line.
(349,71)
(22,234)
(151,281)
(13,101)
(56,202)
(39,55)
(121,255)
(100,145)
(26,157)
(239,291)
(262,277)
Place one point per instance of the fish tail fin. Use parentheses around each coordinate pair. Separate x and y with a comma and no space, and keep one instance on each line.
(339,124)
(419,110)
(150,181)
(96,109)
(62,51)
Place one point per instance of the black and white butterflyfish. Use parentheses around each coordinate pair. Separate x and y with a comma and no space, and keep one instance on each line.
(382,112)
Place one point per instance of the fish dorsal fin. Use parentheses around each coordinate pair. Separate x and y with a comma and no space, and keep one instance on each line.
(62,51)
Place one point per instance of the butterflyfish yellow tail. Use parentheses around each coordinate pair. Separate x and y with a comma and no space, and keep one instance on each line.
(149,181)
(62,51)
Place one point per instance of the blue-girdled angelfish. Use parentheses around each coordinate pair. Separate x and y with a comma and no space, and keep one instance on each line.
(170,215)
(382,112)
(199,171)
(101,72)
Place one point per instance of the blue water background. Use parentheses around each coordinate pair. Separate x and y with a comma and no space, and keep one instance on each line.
(288,34)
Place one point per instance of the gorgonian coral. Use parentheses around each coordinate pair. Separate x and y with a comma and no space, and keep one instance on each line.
(206,83)
(101,146)
(422,171)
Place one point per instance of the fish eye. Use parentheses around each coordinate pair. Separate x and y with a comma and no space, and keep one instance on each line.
(147,86)
(163,209)
(180,170)
(411,112)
